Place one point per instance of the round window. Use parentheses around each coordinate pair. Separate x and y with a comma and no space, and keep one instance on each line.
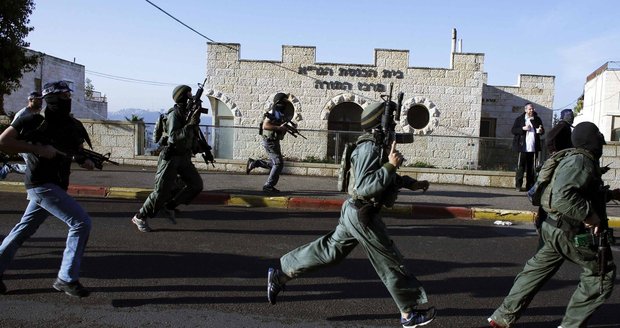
(418,116)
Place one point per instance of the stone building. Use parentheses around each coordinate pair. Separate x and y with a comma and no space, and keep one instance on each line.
(50,68)
(601,100)
(447,109)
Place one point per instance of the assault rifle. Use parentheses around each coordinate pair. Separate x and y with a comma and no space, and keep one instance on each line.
(391,115)
(96,158)
(38,136)
(603,241)
(291,127)
(195,104)
(603,248)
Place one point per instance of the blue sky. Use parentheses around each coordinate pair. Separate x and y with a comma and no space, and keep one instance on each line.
(132,39)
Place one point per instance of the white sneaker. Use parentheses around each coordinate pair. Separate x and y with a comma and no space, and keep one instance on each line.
(141,224)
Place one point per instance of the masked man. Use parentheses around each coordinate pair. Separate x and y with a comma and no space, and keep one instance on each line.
(50,142)
(576,199)
(273,131)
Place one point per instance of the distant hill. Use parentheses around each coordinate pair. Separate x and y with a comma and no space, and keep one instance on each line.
(149,116)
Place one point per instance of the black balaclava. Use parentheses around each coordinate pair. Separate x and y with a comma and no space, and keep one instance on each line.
(57,108)
(586,135)
(568,116)
(280,97)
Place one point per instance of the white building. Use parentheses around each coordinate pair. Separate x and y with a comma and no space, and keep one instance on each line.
(601,100)
(51,69)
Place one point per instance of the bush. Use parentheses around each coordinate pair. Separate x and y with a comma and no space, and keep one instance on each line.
(421,164)
(312,159)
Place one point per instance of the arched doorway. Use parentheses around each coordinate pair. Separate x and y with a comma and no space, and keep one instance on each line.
(344,126)
(222,136)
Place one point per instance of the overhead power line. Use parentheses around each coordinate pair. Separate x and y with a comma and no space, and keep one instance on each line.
(176,19)
(130,80)
(232,48)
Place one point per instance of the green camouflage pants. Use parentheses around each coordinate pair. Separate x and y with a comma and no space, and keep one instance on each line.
(332,248)
(539,269)
(166,184)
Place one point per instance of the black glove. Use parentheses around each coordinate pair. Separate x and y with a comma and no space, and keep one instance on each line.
(195,118)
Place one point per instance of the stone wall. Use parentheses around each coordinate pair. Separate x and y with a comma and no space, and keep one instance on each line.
(611,157)
(452,96)
(124,140)
(506,103)
(455,99)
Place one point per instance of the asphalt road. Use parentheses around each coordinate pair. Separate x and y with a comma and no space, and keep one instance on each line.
(209,270)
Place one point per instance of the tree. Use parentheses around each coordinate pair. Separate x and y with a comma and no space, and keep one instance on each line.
(579,106)
(89,88)
(15,59)
(555,120)
(134,118)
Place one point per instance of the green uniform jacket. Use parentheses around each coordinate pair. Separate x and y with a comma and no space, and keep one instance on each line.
(372,180)
(181,135)
(577,190)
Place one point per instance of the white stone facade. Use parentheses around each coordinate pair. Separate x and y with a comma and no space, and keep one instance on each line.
(601,101)
(452,98)
(52,69)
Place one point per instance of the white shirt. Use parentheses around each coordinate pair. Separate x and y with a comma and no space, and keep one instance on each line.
(530,136)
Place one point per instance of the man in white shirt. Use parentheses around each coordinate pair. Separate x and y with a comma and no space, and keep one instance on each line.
(527,130)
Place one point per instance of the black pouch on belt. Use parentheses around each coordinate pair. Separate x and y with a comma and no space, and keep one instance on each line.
(169,151)
(365,212)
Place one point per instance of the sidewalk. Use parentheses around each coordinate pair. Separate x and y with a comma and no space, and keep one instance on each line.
(233,189)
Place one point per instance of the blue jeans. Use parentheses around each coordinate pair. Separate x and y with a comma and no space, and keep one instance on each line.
(45,200)
(4,171)
(7,168)
(275,163)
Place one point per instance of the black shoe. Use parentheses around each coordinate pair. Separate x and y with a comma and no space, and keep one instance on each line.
(248,166)
(419,318)
(171,214)
(2,287)
(422,184)
(74,289)
(270,189)
(273,285)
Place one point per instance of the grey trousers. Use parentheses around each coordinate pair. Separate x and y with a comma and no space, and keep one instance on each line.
(166,184)
(332,248)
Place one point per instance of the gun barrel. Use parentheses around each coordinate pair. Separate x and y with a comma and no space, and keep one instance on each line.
(92,155)
(401,95)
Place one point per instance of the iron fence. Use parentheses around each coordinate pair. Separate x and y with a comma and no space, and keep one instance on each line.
(456,152)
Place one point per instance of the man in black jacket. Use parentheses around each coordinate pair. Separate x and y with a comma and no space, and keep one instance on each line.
(559,136)
(527,130)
